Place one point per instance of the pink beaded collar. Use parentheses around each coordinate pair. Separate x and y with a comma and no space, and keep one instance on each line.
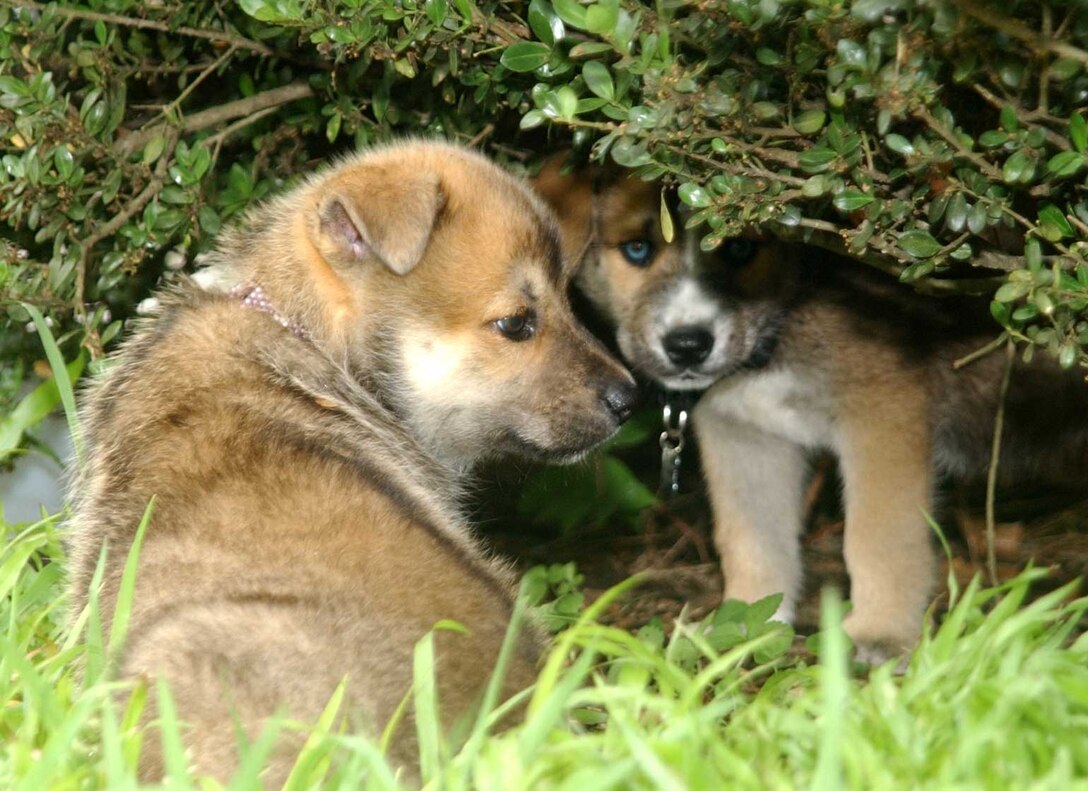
(254,297)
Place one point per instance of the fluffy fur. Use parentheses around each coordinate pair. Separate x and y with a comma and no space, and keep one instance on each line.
(800,352)
(306,526)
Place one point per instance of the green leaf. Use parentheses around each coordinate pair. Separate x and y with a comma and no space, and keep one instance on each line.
(567,102)
(1051,215)
(588,105)
(1065,164)
(978,218)
(571,12)
(437,11)
(668,231)
(694,195)
(1033,254)
(1018,168)
(955,217)
(599,79)
(589,48)
(525,56)
(919,244)
(63,162)
(899,145)
(817,160)
(1011,291)
(993,138)
(630,153)
(464,9)
(1078,132)
(332,128)
(917,270)
(601,17)
(768,57)
(852,200)
(1009,121)
(545,23)
(153,149)
(810,121)
(814,186)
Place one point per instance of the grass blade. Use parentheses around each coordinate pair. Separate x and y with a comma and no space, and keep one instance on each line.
(60,376)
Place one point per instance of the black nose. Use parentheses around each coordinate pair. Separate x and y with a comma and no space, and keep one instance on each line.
(620,397)
(688,345)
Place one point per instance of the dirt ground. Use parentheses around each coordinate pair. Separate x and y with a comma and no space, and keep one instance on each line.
(1046,527)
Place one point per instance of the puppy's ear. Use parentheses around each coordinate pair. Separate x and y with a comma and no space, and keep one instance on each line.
(571,197)
(382,212)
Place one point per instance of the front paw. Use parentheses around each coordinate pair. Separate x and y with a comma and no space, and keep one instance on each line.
(880,640)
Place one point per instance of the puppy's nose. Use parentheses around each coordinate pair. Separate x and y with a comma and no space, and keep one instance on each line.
(620,397)
(688,345)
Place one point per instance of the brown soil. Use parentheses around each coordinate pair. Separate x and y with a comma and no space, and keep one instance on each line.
(676,552)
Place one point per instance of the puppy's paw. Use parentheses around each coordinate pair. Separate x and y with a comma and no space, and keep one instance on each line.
(880,642)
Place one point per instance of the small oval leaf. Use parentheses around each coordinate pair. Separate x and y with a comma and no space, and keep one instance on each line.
(525,56)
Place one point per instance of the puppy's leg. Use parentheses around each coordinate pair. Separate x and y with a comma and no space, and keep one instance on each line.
(756,483)
(885,458)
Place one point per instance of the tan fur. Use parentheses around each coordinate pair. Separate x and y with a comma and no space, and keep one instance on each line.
(306,526)
(812,353)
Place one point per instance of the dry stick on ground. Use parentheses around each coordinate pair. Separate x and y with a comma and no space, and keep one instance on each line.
(995,455)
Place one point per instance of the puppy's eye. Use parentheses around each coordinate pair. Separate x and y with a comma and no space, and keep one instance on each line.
(517,327)
(637,251)
(739,251)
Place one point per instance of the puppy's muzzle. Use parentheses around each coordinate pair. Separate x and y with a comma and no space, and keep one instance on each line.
(620,398)
(688,346)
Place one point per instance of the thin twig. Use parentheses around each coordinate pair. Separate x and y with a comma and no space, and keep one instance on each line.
(995,455)
(481,136)
(1035,119)
(214,116)
(926,116)
(241,42)
(176,103)
(216,140)
(978,354)
(1018,30)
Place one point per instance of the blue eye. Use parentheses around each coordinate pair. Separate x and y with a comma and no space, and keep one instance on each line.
(637,251)
(739,251)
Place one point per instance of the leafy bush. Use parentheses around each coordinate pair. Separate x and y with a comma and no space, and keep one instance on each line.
(940,140)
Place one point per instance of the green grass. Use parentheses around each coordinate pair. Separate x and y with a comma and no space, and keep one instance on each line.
(997,697)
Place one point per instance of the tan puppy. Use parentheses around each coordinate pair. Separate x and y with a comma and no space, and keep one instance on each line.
(799,352)
(398,317)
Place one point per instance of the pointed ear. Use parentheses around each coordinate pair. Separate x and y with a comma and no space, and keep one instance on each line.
(380,212)
(571,197)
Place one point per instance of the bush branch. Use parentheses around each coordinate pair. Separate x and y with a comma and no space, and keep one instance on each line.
(131,209)
(240,42)
(995,456)
(1018,30)
(214,116)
